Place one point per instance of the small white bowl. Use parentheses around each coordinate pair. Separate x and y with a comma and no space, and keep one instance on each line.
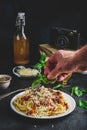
(25,72)
(5,81)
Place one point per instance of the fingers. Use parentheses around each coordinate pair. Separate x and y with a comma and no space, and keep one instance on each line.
(50,65)
(64,77)
(47,69)
(53,74)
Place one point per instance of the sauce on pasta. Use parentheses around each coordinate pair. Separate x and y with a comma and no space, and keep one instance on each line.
(40,102)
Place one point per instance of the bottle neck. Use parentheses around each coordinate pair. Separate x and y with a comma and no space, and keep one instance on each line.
(20,29)
(20,23)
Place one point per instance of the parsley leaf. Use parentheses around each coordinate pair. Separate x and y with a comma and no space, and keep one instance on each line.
(58,86)
(82,103)
(42,61)
(42,79)
(75,90)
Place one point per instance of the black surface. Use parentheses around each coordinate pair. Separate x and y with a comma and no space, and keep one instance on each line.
(40,15)
(9,120)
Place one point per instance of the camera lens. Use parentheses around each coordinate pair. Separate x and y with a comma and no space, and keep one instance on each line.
(62,42)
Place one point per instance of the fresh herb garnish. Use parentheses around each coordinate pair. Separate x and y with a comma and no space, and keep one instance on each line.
(58,86)
(84,90)
(82,103)
(78,92)
(75,90)
(42,61)
(42,79)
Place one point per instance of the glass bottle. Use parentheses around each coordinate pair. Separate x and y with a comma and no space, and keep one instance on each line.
(21,42)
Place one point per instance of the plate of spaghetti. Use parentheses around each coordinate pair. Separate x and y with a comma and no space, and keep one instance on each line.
(42,103)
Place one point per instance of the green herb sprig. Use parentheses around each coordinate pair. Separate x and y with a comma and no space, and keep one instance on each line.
(42,61)
(58,86)
(42,79)
(75,90)
(78,92)
(82,104)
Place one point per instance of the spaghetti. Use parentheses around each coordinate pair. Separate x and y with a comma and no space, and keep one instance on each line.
(40,102)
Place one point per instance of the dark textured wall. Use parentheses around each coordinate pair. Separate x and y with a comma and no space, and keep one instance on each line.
(40,16)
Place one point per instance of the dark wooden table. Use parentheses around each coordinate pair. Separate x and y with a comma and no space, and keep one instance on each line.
(9,120)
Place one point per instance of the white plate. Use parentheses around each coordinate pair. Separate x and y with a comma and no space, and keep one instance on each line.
(69,99)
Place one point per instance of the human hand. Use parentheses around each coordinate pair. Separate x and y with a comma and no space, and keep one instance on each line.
(59,65)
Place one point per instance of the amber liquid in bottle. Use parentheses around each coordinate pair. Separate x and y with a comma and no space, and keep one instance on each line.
(21,44)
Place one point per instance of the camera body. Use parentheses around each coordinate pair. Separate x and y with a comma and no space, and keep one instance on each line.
(62,38)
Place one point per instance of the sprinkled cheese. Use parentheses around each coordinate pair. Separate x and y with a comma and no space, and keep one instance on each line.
(28,72)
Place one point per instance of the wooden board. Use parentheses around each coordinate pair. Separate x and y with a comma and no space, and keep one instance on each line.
(48,49)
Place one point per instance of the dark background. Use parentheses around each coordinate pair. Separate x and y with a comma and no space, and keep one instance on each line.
(40,16)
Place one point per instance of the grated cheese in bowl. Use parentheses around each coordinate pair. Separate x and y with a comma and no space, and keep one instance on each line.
(27,72)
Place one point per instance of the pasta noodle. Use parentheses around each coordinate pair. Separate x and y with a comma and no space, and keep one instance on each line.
(40,102)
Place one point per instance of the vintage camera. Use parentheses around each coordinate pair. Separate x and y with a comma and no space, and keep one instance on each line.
(62,38)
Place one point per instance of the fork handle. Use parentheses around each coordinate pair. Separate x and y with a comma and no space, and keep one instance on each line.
(10,93)
(18,90)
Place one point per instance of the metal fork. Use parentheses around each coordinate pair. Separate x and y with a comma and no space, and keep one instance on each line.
(18,90)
